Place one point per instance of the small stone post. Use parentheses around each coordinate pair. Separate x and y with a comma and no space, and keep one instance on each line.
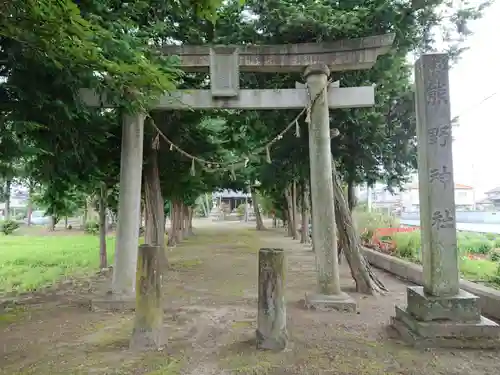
(129,206)
(324,233)
(271,321)
(439,313)
(148,323)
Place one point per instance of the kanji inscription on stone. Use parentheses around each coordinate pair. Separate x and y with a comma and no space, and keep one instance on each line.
(442,175)
(443,220)
(439,135)
(224,71)
(437,88)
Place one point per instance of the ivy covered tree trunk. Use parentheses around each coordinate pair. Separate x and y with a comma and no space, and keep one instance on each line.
(304,205)
(103,254)
(259,223)
(366,280)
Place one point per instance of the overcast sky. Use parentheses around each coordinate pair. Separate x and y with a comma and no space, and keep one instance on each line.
(476,150)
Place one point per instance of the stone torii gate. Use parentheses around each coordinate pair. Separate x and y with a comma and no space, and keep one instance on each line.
(224,63)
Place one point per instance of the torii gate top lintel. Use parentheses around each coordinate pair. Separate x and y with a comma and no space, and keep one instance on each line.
(348,54)
(226,62)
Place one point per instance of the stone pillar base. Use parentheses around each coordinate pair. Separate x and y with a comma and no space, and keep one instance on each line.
(450,322)
(111,302)
(462,307)
(339,302)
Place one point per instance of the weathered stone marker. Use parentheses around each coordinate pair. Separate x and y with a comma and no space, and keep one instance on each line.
(148,323)
(439,313)
(271,320)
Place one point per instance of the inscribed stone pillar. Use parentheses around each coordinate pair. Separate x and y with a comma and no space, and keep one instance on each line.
(435,174)
(439,313)
(127,235)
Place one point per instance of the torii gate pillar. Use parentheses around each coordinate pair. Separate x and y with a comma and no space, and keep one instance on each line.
(329,294)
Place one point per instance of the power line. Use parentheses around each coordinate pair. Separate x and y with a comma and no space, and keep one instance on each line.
(474,106)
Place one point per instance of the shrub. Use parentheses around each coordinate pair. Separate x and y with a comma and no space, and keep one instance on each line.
(373,220)
(491,236)
(240,210)
(408,244)
(496,242)
(474,244)
(495,279)
(8,226)
(367,235)
(91,227)
(495,255)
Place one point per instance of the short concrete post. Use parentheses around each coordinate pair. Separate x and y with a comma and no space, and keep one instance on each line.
(324,239)
(439,313)
(148,323)
(127,235)
(271,320)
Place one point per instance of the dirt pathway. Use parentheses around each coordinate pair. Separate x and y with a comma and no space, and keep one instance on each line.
(210,298)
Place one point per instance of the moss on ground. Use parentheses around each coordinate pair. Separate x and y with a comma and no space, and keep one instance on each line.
(12,315)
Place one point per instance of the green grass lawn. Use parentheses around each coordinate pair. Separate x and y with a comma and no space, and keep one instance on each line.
(28,263)
(478,269)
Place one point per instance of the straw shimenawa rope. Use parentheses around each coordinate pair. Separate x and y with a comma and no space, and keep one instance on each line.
(230,166)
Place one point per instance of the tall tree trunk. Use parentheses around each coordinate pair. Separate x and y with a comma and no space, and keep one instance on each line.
(53,222)
(284,210)
(154,231)
(172,236)
(154,228)
(366,280)
(351,195)
(180,221)
(295,214)
(259,224)
(8,185)
(190,221)
(103,254)
(304,235)
(88,209)
(209,205)
(185,226)
(204,206)
(30,205)
(85,216)
(292,227)
(310,213)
